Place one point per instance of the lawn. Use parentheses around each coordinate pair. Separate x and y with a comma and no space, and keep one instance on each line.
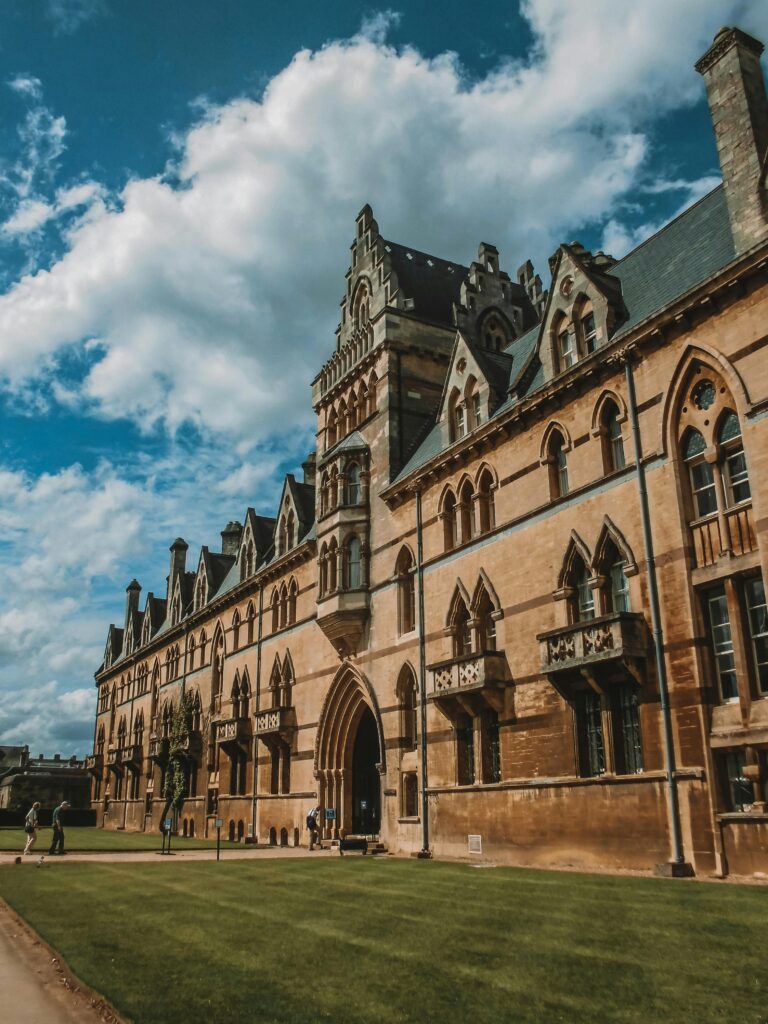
(365,940)
(105,840)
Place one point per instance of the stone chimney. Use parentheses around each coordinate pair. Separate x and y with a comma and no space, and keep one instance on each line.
(132,600)
(230,538)
(739,109)
(178,561)
(310,469)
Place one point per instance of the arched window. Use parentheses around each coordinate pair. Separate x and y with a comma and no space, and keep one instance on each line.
(100,741)
(251,620)
(587,329)
(245,693)
(406,591)
(564,344)
(236,630)
(448,514)
(467,511)
(203,646)
(323,570)
(486,622)
(372,383)
(557,461)
(462,633)
(121,732)
(290,530)
(138,729)
(733,460)
(700,474)
(197,713)
(217,676)
(353,484)
(275,683)
(472,404)
(406,699)
(613,442)
(325,494)
(192,652)
(353,564)
(247,564)
(582,602)
(283,606)
(293,590)
(286,683)
(342,422)
(200,593)
(485,505)
(613,569)
(333,565)
(274,604)
(331,429)
(493,333)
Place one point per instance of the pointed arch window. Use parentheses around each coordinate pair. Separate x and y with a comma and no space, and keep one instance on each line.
(353,484)
(236,631)
(286,684)
(406,591)
(450,538)
(333,565)
(407,702)
(618,592)
(700,474)
(325,494)
(467,510)
(485,505)
(290,530)
(331,429)
(566,345)
(734,461)
(461,629)
(192,652)
(217,677)
(283,618)
(486,622)
(612,438)
(251,620)
(494,333)
(100,741)
(354,576)
(588,328)
(274,605)
(203,647)
(557,461)
(292,592)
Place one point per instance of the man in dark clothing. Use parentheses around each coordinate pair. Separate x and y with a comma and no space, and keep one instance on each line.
(57,842)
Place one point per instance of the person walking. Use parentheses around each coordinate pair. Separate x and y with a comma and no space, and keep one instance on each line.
(31,826)
(312,826)
(57,842)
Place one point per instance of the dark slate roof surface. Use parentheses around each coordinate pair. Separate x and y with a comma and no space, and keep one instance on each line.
(432,283)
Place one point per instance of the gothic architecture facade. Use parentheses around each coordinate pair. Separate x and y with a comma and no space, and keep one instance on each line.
(515,608)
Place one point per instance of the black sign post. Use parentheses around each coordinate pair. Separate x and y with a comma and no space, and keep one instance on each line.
(219,823)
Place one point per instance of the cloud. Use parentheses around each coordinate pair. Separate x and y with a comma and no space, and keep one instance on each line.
(67,16)
(69,543)
(209,292)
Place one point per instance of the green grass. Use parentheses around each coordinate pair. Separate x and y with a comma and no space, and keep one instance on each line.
(103,840)
(364,940)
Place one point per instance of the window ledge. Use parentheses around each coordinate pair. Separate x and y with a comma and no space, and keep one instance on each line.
(408,821)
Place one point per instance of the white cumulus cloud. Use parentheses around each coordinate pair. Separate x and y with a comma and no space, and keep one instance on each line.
(210,292)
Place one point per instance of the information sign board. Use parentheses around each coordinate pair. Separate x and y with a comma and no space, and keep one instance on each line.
(330,813)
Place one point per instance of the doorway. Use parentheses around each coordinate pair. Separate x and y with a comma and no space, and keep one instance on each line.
(366,781)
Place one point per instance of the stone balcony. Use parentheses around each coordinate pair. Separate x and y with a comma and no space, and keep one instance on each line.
(612,644)
(113,757)
(158,748)
(233,731)
(94,763)
(192,745)
(131,754)
(273,721)
(342,615)
(471,683)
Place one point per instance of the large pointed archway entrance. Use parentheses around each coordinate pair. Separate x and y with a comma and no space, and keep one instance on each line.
(349,761)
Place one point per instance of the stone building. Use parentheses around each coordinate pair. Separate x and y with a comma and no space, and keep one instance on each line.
(449,635)
(50,780)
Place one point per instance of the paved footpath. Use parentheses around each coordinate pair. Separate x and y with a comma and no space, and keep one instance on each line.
(154,856)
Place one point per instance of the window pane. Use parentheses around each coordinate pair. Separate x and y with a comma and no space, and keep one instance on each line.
(631,752)
(729,428)
(562,470)
(739,791)
(703,487)
(616,441)
(590,730)
(585,597)
(694,445)
(722,645)
(737,477)
(758,629)
(567,356)
(589,333)
(619,588)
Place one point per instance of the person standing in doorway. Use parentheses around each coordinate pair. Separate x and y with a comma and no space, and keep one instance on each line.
(31,826)
(57,842)
(312,826)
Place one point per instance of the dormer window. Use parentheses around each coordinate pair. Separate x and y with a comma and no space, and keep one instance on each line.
(566,340)
(493,333)
(460,420)
(589,332)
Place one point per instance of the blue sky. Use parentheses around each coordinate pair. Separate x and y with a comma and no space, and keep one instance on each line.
(178,186)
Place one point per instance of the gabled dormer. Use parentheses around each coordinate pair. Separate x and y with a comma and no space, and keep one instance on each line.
(114,646)
(255,543)
(296,515)
(583,310)
(153,617)
(132,627)
(476,385)
(212,569)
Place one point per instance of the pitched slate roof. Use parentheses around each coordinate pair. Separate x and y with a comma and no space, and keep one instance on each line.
(432,283)
(683,254)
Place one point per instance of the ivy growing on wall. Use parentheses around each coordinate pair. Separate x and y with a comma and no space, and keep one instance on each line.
(176,772)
